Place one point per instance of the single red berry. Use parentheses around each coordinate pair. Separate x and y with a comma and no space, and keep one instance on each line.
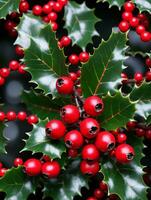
(134,22)
(105,141)
(124,26)
(129,6)
(98,193)
(148,134)
(124,153)
(73,139)
(90,152)
(103,186)
(21,69)
(64,85)
(73,76)
(13,33)
(46,19)
(138,77)
(22,115)
(127,16)
(146,36)
(2,116)
(124,77)
(140,132)
(4,72)
(65,41)
(121,138)
(74,59)
(51,169)
(54,26)
(19,51)
(18,162)
(14,65)
(93,106)
(46,9)
(55,129)
(37,10)
(52,16)
(3,171)
(84,57)
(70,114)
(148,76)
(32,167)
(1,165)
(146,23)
(148,62)
(63,2)
(78,73)
(72,153)
(11,115)
(141,17)
(89,167)
(46,158)
(9,25)
(89,128)
(140,29)
(57,7)
(2,80)
(91,198)
(51,4)
(32,119)
(23,6)
(131,125)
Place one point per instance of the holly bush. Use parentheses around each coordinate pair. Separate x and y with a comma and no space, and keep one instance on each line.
(87,103)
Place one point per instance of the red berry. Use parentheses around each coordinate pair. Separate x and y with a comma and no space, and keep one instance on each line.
(72,153)
(32,119)
(74,59)
(146,36)
(90,168)
(113,197)
(89,128)
(46,158)
(148,134)
(131,125)
(13,33)
(18,162)
(51,169)
(140,29)
(65,41)
(73,139)
(52,16)
(90,152)
(103,186)
(51,4)
(2,81)
(11,115)
(64,85)
(138,77)
(146,24)
(121,138)
(93,106)
(14,65)
(37,10)
(9,25)
(46,19)
(47,9)
(84,57)
(148,76)
(98,193)
(148,62)
(1,165)
(19,51)
(78,73)
(134,22)
(32,167)
(63,2)
(21,69)
(129,6)
(2,116)
(54,26)
(124,77)
(57,7)
(70,114)
(73,76)
(4,72)
(105,141)
(55,129)
(3,171)
(127,16)
(141,17)
(124,153)
(124,26)
(91,198)
(140,132)
(23,6)
(21,116)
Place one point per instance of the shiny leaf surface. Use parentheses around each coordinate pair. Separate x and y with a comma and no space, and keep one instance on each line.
(8,6)
(2,139)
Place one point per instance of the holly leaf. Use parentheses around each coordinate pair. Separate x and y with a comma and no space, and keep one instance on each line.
(144,5)
(118,3)
(68,184)
(8,6)
(103,71)
(39,142)
(118,110)
(128,176)
(80,22)
(2,139)
(16,184)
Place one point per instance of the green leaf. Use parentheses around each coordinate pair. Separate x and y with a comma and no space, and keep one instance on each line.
(126,180)
(2,139)
(16,184)
(38,142)
(118,3)
(103,72)
(118,110)
(8,6)
(67,185)
(148,121)
(80,22)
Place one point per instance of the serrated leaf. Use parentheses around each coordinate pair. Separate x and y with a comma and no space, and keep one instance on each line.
(8,6)
(118,3)
(44,106)
(2,139)
(126,180)
(118,110)
(103,72)
(16,184)
(80,22)
(38,142)
(67,185)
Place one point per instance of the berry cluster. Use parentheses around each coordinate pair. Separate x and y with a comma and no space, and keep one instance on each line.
(140,23)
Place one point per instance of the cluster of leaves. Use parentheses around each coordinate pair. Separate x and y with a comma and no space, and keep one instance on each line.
(100,76)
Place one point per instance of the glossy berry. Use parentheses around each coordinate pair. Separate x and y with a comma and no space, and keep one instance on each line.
(73,139)
(90,152)
(54,26)
(72,153)
(73,76)
(140,29)
(129,6)
(127,16)
(19,50)
(4,72)
(2,172)
(23,6)
(2,116)
(55,129)
(51,4)
(52,16)
(146,36)
(93,106)
(46,9)
(89,167)
(64,85)
(124,153)
(148,134)
(63,2)
(98,193)
(70,114)
(74,59)
(65,41)
(89,128)
(9,25)
(14,65)
(84,57)
(148,76)
(105,141)
(18,162)
(140,132)
(131,125)
(91,198)
(121,138)
(11,115)
(103,186)
(148,62)
(57,7)
(32,119)
(134,22)
(51,169)
(2,80)
(124,26)
(22,115)
(138,77)
(32,167)
(37,10)
(21,69)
